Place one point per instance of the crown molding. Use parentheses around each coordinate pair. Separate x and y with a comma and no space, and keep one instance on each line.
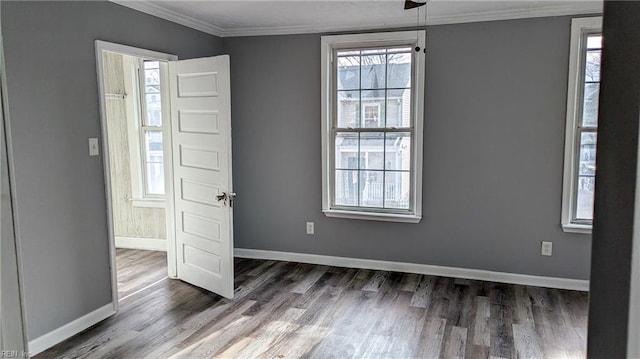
(166,14)
(577,8)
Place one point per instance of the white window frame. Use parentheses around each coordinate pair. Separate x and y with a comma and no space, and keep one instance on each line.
(136,110)
(580,28)
(329,103)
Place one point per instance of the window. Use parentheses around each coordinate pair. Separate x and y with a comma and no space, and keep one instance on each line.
(371,114)
(151,129)
(372,96)
(582,125)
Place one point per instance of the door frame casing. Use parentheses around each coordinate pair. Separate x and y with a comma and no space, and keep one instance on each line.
(102,46)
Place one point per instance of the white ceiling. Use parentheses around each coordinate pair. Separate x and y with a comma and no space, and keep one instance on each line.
(264,17)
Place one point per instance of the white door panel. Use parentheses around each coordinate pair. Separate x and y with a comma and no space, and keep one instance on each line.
(201,135)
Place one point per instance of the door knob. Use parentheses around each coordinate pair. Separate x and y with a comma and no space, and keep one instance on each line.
(222,197)
(226,196)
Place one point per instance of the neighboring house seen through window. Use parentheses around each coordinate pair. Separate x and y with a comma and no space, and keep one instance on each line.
(372,125)
(582,125)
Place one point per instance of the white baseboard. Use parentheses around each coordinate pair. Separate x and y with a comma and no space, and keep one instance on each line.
(149,244)
(68,330)
(466,273)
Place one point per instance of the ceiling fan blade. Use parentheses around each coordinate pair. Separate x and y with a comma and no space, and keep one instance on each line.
(409,4)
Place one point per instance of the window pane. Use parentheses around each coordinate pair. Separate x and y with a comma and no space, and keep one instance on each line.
(346,150)
(152,77)
(153,146)
(151,73)
(586,175)
(151,64)
(373,71)
(152,94)
(154,110)
(348,52)
(373,108)
(398,148)
(154,158)
(155,178)
(400,49)
(592,66)
(397,189)
(374,51)
(399,70)
(346,188)
(584,205)
(588,153)
(372,150)
(348,72)
(371,188)
(348,109)
(152,89)
(590,105)
(594,41)
(398,108)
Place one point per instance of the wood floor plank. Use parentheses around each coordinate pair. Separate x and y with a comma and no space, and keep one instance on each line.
(501,299)
(421,297)
(526,342)
(481,332)
(455,345)
(410,282)
(310,279)
(293,310)
(376,281)
(432,338)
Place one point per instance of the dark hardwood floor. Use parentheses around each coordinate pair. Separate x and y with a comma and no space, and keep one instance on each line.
(292,310)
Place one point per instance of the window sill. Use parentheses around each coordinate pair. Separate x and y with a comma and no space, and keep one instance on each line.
(576,228)
(148,202)
(372,216)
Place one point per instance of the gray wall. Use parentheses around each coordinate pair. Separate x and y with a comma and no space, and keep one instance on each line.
(53,108)
(493,154)
(10,311)
(615,182)
(11,324)
(11,330)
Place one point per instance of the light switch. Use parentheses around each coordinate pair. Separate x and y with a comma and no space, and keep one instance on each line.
(94,150)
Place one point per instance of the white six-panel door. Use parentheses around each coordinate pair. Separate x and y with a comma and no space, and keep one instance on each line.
(201,141)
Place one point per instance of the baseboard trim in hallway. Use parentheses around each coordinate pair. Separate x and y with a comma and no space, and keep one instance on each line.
(465,273)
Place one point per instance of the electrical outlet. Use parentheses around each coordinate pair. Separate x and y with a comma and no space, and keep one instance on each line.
(310,229)
(546,249)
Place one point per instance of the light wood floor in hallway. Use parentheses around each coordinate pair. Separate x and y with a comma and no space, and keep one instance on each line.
(292,310)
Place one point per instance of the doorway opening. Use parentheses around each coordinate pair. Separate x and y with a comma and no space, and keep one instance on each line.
(166,139)
(135,100)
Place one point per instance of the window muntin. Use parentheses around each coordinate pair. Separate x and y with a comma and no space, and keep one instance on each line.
(582,125)
(151,129)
